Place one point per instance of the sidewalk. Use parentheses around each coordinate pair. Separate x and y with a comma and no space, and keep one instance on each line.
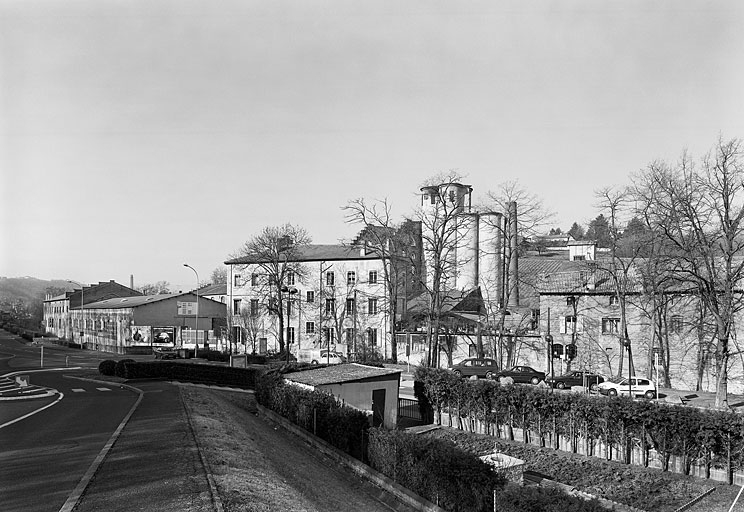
(155,464)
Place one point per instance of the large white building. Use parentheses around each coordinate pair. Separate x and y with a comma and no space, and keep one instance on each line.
(336,298)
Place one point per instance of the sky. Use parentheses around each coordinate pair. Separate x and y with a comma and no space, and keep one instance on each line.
(136,136)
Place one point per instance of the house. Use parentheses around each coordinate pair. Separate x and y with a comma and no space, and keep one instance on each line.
(366,388)
(57,309)
(127,325)
(216,292)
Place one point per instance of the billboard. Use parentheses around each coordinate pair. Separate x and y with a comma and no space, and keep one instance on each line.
(163,336)
(140,335)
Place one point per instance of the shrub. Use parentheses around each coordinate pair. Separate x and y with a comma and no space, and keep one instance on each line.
(214,355)
(121,368)
(435,469)
(107,367)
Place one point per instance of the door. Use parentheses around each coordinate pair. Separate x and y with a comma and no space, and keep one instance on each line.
(378,407)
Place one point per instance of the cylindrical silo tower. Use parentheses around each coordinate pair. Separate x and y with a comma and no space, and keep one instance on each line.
(490,266)
(467,251)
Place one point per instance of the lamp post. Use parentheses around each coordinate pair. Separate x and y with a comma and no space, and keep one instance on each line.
(290,291)
(82,311)
(196,318)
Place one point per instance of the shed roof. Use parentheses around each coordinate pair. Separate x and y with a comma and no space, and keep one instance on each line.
(339,373)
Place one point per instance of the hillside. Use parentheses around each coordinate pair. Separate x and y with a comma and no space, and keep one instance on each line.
(28,289)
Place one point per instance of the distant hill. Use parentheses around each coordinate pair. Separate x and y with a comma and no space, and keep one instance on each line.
(29,289)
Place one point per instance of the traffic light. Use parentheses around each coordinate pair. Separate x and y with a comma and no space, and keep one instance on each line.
(557,350)
(570,351)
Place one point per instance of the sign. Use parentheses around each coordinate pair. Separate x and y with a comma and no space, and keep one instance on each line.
(163,336)
(186,308)
(140,335)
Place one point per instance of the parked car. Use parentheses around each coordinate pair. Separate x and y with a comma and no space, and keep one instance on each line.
(576,378)
(480,367)
(638,387)
(523,374)
(165,353)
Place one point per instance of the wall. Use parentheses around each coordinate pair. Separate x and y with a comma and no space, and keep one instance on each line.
(359,394)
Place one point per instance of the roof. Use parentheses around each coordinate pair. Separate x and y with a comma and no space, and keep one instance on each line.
(133,302)
(316,252)
(213,289)
(339,373)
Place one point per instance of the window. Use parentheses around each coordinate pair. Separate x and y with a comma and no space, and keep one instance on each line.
(236,281)
(675,324)
(350,277)
(310,297)
(254,279)
(349,334)
(330,278)
(372,336)
(569,323)
(330,306)
(372,306)
(309,327)
(579,257)
(329,334)
(290,334)
(290,277)
(610,325)
(254,307)
(350,306)
(614,300)
(570,301)
(535,319)
(236,306)
(372,277)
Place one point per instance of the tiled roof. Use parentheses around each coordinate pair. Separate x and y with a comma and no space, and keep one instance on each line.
(317,252)
(132,302)
(213,289)
(338,373)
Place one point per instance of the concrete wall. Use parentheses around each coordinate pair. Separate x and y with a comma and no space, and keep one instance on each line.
(359,394)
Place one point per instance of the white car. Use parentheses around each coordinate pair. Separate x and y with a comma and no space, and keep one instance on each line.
(635,386)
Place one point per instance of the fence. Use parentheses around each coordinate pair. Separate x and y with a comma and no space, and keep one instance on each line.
(595,448)
(408,408)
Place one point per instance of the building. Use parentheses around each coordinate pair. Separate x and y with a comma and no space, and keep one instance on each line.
(57,309)
(334,295)
(369,389)
(137,324)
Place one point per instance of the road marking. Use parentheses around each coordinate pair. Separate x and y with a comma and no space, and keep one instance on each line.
(77,390)
(103,389)
(61,396)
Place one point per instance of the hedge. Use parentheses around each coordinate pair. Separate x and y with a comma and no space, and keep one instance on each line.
(188,372)
(710,438)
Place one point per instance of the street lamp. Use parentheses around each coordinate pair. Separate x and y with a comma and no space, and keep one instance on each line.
(196,318)
(290,291)
(82,310)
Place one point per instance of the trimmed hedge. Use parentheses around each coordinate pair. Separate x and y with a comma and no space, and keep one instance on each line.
(189,372)
(107,367)
(435,469)
(120,368)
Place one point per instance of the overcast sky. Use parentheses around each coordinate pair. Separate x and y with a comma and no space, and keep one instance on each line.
(139,135)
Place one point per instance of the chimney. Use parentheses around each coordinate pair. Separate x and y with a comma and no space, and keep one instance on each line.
(513,250)
(131,281)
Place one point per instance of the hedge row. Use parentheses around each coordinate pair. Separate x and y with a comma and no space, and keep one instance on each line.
(709,438)
(316,411)
(172,370)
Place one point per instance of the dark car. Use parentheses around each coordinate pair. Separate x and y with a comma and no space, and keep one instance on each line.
(480,367)
(523,375)
(576,378)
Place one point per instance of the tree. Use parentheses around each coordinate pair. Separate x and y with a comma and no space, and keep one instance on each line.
(393,242)
(576,231)
(219,275)
(275,256)
(700,214)
(599,230)
(555,231)
(157,288)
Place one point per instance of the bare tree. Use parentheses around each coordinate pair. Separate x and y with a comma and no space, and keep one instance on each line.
(699,212)
(394,243)
(158,288)
(274,255)
(219,275)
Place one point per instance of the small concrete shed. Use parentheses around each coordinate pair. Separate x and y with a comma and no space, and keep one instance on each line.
(367,388)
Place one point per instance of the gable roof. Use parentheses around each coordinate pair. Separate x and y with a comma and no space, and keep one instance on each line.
(339,373)
(133,302)
(317,252)
(213,289)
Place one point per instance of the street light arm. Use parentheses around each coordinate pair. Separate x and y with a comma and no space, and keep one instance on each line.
(196,318)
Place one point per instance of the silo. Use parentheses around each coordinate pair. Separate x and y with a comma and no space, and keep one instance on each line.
(490,245)
(467,250)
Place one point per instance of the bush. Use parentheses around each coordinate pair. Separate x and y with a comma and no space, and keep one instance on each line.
(435,469)
(206,374)
(121,368)
(107,367)
(214,355)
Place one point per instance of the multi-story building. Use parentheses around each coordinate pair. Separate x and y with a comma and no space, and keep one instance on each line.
(336,298)
(57,309)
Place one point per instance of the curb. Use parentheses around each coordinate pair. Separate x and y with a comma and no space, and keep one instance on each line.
(404,495)
(77,493)
(216,500)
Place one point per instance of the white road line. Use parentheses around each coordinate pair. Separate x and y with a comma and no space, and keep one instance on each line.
(103,389)
(77,390)
(61,396)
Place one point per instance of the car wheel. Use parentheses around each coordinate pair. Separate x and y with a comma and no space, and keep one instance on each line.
(458,373)
(594,387)
(489,375)
(534,380)
(612,392)
(560,385)
(313,362)
(650,395)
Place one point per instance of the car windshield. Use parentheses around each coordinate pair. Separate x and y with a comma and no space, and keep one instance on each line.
(617,380)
